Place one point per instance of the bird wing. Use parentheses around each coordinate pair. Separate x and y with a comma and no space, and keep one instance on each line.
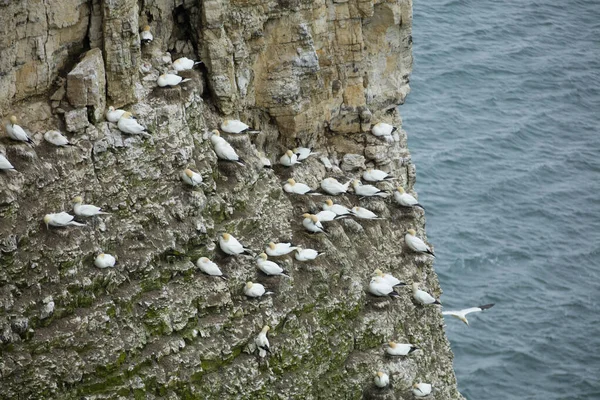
(477,309)
(63,218)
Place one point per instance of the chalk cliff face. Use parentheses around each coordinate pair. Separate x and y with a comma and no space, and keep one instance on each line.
(312,73)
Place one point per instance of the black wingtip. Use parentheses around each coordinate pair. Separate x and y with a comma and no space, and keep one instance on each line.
(413,348)
(437,302)
(224,277)
(394,129)
(487,306)
(393,294)
(420,206)
(241,161)
(430,253)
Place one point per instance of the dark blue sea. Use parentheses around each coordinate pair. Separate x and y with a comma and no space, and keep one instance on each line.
(503,123)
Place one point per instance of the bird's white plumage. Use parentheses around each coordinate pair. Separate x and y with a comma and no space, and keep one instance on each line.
(268,267)
(367,190)
(5,165)
(382,129)
(288,159)
(85,210)
(15,131)
(105,261)
(191,178)
(306,254)
(421,389)
(363,213)
(379,287)
(389,278)
(336,208)
(184,64)
(422,297)
(376,175)
(399,349)
(60,219)
(312,224)
(56,138)
(264,160)
(230,245)
(262,342)
(296,187)
(170,80)
(304,152)
(279,249)
(381,379)
(462,314)
(416,244)
(146,35)
(113,115)
(254,289)
(404,199)
(326,216)
(333,187)
(224,150)
(233,126)
(127,124)
(208,267)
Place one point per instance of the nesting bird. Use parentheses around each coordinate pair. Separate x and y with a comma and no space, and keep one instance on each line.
(363,213)
(279,249)
(128,124)
(235,126)
(113,115)
(416,244)
(5,165)
(306,254)
(311,223)
(146,36)
(57,139)
(223,149)
(376,175)
(383,130)
(184,64)
(262,342)
(266,163)
(381,379)
(85,210)
(421,389)
(404,199)
(298,188)
(231,246)
(255,290)
(209,267)
(400,349)
(170,80)
(303,153)
(191,178)
(462,314)
(333,187)
(15,132)
(60,220)
(381,288)
(423,297)
(367,190)
(288,159)
(390,279)
(327,216)
(339,210)
(269,267)
(105,261)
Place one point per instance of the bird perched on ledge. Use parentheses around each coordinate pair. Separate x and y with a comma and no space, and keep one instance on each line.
(5,165)
(404,199)
(15,132)
(60,220)
(146,36)
(184,64)
(57,139)
(416,244)
(223,149)
(170,80)
(262,342)
(236,126)
(128,124)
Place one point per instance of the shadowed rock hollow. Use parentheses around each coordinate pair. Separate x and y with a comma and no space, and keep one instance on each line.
(311,73)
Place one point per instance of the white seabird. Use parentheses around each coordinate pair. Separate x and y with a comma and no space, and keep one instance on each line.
(367,190)
(304,152)
(383,130)
(262,342)
(113,115)
(462,314)
(363,213)
(255,290)
(170,80)
(209,267)
(266,163)
(404,199)
(146,36)
(128,124)
(5,165)
(312,224)
(423,297)
(191,178)
(15,132)
(333,187)
(391,279)
(279,249)
(236,126)
(327,216)
(306,254)
(269,267)
(231,246)
(60,220)
(184,64)
(289,159)
(381,379)
(57,139)
(105,261)
(379,287)
(336,208)
(400,349)
(416,244)
(223,149)
(376,175)
(421,389)
(85,210)
(298,188)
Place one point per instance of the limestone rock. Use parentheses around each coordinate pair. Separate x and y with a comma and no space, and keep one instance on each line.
(76,120)
(86,84)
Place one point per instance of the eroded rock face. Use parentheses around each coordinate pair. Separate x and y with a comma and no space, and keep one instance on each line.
(311,73)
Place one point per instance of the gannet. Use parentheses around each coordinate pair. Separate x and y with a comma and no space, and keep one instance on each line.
(85,210)
(57,139)
(363,213)
(303,153)
(223,149)
(269,267)
(298,188)
(279,249)
(231,246)
(367,190)
(306,254)
(236,126)
(383,130)
(289,159)
(376,175)
(5,165)
(60,219)
(170,80)
(404,199)
(266,163)
(191,178)
(113,115)
(416,244)
(255,290)
(146,35)
(462,314)
(327,216)
(421,389)
(184,64)
(262,343)
(333,187)
(336,208)
(400,349)
(379,287)
(423,297)
(128,124)
(381,379)
(15,132)
(209,267)
(391,279)
(312,224)
(104,261)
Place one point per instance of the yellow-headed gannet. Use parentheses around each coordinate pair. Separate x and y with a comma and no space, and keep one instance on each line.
(184,64)
(462,314)
(85,210)
(391,279)
(304,152)
(421,389)
(191,178)
(333,187)
(5,165)
(289,159)
(262,343)
(376,175)
(279,249)
(416,244)
(113,115)
(400,349)
(423,297)
(236,126)
(128,124)
(379,287)
(255,290)
(269,267)
(312,224)
(381,379)
(363,213)
(145,35)
(336,208)
(60,220)
(367,190)
(306,254)
(15,132)
(404,199)
(170,80)
(231,246)
(209,267)
(298,188)
(105,261)
(57,139)
(223,149)
(383,130)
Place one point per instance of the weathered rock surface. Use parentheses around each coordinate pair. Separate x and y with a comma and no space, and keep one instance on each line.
(312,73)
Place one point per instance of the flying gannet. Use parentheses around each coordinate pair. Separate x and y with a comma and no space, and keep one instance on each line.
(209,267)
(57,139)
(105,261)
(333,187)
(421,389)
(416,244)
(423,297)
(279,249)
(269,267)
(400,349)
(191,178)
(224,150)
(462,314)
(404,199)
(231,246)
(379,287)
(262,342)
(15,132)
(85,210)
(289,159)
(60,220)
(376,175)
(381,379)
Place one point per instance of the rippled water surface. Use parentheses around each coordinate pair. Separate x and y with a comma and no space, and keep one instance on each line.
(503,122)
